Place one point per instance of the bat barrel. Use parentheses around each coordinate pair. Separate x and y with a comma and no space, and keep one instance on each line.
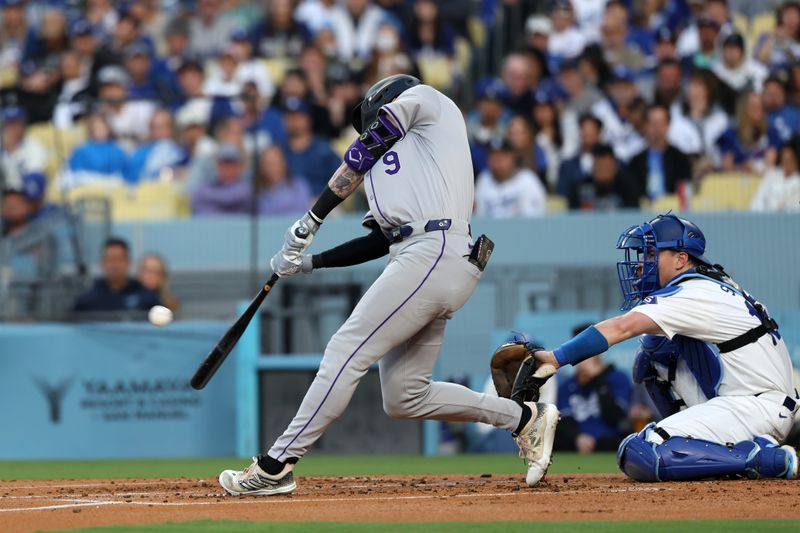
(228,341)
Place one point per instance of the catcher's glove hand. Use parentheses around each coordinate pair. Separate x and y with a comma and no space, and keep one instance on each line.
(515,374)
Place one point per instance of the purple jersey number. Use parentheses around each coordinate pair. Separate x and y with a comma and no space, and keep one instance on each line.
(390,159)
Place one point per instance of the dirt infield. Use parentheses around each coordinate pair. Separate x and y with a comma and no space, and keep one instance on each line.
(46,505)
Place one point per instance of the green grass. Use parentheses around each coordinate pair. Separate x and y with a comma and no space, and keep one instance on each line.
(667,526)
(319,465)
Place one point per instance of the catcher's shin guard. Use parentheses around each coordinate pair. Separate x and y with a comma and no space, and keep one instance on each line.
(685,459)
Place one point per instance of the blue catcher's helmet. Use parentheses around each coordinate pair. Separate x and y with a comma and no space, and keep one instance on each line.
(638,273)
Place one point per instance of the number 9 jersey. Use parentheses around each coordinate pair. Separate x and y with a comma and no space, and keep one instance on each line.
(427,174)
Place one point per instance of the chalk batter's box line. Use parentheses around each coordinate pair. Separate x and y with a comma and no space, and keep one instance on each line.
(348,486)
(267,500)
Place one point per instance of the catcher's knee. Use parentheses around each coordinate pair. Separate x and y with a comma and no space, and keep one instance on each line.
(638,458)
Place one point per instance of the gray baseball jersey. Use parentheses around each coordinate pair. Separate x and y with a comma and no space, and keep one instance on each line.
(400,320)
(428,174)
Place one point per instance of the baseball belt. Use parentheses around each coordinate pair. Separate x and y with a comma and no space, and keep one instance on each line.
(398,233)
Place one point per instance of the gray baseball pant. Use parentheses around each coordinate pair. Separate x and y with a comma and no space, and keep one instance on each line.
(400,322)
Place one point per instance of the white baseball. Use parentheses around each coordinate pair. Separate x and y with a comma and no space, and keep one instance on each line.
(159,315)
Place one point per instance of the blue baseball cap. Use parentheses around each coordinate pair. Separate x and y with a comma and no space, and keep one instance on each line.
(664,34)
(543,96)
(491,89)
(34,185)
(81,28)
(296,105)
(138,48)
(14,112)
(240,35)
(622,73)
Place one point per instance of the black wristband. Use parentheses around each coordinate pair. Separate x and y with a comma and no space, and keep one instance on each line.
(326,203)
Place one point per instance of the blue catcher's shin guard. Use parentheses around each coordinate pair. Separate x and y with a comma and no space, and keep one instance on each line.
(684,459)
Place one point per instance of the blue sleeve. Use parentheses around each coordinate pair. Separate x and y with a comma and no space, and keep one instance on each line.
(272,122)
(541,159)
(447,40)
(120,163)
(728,142)
(479,157)
(79,160)
(133,170)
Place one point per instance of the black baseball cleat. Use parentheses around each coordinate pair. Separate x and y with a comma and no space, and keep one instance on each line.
(253,481)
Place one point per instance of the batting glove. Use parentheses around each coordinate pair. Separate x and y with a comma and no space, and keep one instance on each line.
(286,264)
(300,235)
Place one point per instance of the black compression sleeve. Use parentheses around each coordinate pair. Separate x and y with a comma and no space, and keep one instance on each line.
(326,202)
(353,252)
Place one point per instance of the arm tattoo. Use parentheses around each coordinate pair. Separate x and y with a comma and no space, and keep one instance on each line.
(344,181)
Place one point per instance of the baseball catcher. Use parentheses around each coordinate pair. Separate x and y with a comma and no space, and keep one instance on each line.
(711,357)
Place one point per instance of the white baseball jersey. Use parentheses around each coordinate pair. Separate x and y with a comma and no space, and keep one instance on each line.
(522,195)
(427,174)
(710,312)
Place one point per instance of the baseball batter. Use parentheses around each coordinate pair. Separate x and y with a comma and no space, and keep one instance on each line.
(414,160)
(712,359)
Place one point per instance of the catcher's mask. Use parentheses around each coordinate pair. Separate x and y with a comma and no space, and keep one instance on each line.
(377,96)
(638,273)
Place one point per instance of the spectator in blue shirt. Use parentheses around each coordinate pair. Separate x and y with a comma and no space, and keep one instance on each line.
(165,69)
(150,161)
(98,159)
(116,290)
(594,406)
(487,121)
(660,168)
(230,193)
(428,32)
(281,193)
(307,154)
(783,120)
(138,64)
(34,186)
(578,169)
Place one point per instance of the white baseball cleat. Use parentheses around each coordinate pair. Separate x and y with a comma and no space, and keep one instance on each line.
(793,470)
(253,481)
(535,441)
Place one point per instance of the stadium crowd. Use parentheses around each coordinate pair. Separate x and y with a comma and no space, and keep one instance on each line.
(604,104)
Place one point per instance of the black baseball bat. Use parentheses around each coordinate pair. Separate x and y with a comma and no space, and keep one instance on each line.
(225,345)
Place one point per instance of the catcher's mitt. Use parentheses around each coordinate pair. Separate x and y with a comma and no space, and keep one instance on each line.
(515,374)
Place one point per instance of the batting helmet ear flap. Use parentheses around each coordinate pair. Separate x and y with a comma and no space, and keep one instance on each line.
(355,117)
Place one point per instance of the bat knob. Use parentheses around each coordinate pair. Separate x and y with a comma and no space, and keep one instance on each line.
(301,232)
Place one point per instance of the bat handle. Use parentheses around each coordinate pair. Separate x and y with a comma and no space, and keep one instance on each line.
(273,279)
